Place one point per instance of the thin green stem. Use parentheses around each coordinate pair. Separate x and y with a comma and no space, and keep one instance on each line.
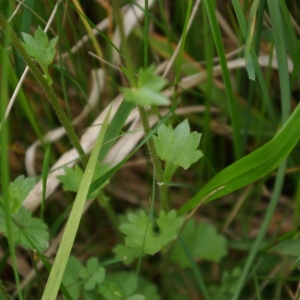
(48,89)
(143,114)
(105,204)
(156,162)
(284,81)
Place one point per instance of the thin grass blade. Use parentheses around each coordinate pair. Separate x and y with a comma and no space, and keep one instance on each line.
(68,238)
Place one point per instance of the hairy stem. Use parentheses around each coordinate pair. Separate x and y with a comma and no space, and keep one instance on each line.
(48,89)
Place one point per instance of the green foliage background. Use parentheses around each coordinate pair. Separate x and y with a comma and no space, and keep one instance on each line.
(159,222)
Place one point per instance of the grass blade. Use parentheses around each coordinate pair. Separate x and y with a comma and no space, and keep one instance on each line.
(45,172)
(256,246)
(251,167)
(4,158)
(277,29)
(230,97)
(64,250)
(115,127)
(195,269)
(264,89)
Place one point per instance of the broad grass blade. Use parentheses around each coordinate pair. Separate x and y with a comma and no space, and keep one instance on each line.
(251,167)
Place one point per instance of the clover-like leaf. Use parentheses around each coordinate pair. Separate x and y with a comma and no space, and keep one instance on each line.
(202,242)
(96,274)
(18,191)
(141,234)
(41,49)
(83,281)
(125,285)
(177,147)
(147,92)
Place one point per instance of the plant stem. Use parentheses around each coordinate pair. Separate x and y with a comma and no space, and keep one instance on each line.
(143,114)
(156,162)
(48,89)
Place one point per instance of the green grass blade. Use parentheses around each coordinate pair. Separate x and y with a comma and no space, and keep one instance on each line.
(277,29)
(195,269)
(249,40)
(4,157)
(210,8)
(268,216)
(291,39)
(183,38)
(146,30)
(251,167)
(164,26)
(64,250)
(264,89)
(45,172)
(160,45)
(289,32)
(114,128)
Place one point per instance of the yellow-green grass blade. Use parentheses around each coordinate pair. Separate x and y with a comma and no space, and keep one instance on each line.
(115,127)
(64,250)
(237,138)
(251,167)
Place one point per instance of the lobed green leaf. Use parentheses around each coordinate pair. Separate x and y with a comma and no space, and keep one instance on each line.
(128,253)
(202,241)
(18,191)
(72,178)
(177,147)
(28,232)
(141,234)
(145,96)
(40,48)
(147,91)
(147,78)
